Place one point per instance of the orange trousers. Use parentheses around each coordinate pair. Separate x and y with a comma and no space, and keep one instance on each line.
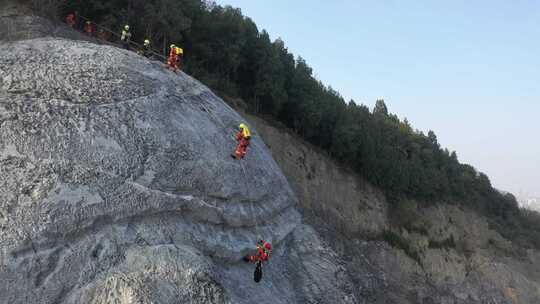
(241,148)
(171,62)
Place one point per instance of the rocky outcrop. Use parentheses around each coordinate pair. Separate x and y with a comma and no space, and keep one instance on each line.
(117,187)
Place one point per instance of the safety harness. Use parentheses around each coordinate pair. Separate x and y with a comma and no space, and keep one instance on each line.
(264,249)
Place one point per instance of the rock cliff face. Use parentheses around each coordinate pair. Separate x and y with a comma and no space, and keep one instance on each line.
(326,191)
(117,186)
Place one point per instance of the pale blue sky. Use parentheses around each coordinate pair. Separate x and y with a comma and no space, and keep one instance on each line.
(469,70)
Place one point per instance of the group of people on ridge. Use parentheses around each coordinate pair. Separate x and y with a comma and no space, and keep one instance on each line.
(174,61)
(264,251)
(176,53)
(89,28)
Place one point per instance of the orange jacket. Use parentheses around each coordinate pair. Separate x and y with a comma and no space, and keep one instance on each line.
(244,141)
(172,53)
(240,135)
(264,250)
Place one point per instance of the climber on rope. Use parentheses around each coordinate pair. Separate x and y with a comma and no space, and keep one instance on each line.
(243,137)
(126,37)
(264,251)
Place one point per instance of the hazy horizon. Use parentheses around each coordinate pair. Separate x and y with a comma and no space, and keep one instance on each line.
(467,71)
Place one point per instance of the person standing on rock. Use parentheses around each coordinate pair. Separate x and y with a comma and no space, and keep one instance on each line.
(175,57)
(146,50)
(243,136)
(126,37)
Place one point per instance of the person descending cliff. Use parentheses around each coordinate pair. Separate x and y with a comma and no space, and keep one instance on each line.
(243,136)
(126,37)
(264,251)
(263,254)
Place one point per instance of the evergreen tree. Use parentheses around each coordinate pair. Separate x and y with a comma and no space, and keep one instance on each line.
(380,108)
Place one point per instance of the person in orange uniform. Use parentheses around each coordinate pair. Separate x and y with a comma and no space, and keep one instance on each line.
(243,137)
(264,251)
(171,61)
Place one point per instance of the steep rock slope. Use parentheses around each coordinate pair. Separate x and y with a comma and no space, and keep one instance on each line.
(459,258)
(117,187)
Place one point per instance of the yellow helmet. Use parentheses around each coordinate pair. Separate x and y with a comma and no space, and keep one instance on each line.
(126,27)
(245,130)
(179,50)
(146,42)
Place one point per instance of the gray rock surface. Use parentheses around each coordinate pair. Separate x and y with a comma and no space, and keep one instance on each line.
(117,185)
(18,22)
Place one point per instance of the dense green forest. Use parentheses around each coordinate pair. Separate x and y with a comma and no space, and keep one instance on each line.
(225,50)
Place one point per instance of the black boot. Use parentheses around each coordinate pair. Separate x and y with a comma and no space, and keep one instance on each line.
(257,275)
